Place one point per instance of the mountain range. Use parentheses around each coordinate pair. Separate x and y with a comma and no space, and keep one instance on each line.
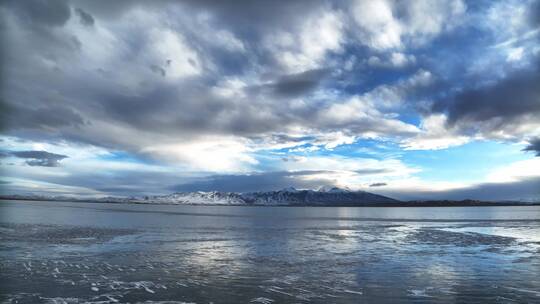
(285,197)
(325,196)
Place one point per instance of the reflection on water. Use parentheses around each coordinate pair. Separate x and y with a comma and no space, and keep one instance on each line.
(80,252)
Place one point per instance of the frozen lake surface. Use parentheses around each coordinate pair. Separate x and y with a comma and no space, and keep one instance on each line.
(61,252)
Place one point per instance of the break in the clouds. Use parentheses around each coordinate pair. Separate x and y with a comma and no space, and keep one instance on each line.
(36,158)
(247,95)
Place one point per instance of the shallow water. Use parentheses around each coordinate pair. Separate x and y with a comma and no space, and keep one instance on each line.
(61,252)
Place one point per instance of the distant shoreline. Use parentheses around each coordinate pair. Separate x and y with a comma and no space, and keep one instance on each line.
(442,203)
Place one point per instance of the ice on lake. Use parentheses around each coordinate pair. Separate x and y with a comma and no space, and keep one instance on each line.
(61,252)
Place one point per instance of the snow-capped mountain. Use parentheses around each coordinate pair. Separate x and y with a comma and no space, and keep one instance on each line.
(323,197)
(286,197)
(326,196)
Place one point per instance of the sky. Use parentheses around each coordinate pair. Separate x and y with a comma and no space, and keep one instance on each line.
(410,99)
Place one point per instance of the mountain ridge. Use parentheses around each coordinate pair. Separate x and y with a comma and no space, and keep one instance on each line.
(323,197)
(286,197)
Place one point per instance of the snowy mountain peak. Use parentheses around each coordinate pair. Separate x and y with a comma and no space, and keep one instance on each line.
(289,189)
(333,189)
(329,196)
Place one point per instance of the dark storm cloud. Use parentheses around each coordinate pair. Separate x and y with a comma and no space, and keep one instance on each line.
(36,158)
(534,13)
(177,108)
(506,102)
(526,188)
(266,181)
(534,146)
(258,14)
(41,12)
(39,25)
(173,108)
(246,16)
(86,18)
(297,84)
(159,70)
(378,184)
(40,118)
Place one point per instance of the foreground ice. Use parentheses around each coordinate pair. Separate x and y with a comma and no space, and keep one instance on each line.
(244,259)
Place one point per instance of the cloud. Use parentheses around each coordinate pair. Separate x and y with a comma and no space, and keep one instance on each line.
(306,48)
(525,189)
(86,18)
(434,135)
(515,171)
(157,78)
(266,181)
(349,172)
(510,19)
(358,115)
(41,118)
(384,25)
(518,180)
(213,88)
(394,60)
(509,107)
(48,13)
(37,158)
(378,184)
(533,146)
(297,84)
(217,154)
(372,171)
(534,13)
(34,187)
(136,107)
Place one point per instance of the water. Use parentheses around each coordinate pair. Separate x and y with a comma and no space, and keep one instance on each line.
(61,252)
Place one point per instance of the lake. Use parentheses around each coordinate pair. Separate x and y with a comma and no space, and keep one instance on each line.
(63,252)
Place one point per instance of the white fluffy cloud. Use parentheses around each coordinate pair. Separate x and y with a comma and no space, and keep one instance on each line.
(171,51)
(307,47)
(434,134)
(379,27)
(350,172)
(515,171)
(217,154)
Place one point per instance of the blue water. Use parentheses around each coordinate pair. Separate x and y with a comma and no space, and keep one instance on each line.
(62,252)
